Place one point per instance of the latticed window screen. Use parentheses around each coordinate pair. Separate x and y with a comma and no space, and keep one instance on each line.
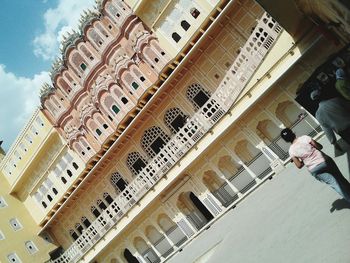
(118,182)
(85,221)
(73,234)
(95,211)
(108,198)
(153,140)
(101,204)
(79,228)
(135,162)
(174,119)
(197,95)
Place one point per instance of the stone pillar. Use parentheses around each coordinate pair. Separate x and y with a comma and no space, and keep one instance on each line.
(222,176)
(155,225)
(239,161)
(149,243)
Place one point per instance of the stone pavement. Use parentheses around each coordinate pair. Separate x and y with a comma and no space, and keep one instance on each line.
(290,219)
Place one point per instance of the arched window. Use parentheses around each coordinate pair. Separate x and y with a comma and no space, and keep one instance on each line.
(135,162)
(125,100)
(69,172)
(64,181)
(75,165)
(49,198)
(101,204)
(176,37)
(108,198)
(98,132)
(197,95)
(105,126)
(85,221)
(73,234)
(118,182)
(153,140)
(195,12)
(185,25)
(96,38)
(79,228)
(135,85)
(174,119)
(115,109)
(43,204)
(54,191)
(83,66)
(95,211)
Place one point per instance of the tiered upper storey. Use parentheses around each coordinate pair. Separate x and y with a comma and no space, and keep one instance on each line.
(104,71)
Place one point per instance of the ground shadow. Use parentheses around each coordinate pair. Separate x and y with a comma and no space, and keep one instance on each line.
(339,204)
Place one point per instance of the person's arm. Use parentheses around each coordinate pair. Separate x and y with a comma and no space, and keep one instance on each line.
(297,162)
(315,144)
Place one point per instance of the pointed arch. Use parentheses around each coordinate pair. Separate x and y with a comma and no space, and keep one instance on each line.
(135,162)
(153,140)
(175,119)
(197,95)
(118,182)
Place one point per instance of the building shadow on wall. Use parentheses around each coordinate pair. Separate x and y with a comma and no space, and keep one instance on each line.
(339,204)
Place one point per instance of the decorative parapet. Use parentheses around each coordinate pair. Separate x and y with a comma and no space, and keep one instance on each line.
(72,133)
(87,19)
(56,68)
(237,77)
(45,91)
(69,40)
(99,4)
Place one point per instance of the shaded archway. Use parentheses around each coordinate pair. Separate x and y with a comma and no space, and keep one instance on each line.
(245,150)
(253,158)
(159,241)
(218,187)
(287,112)
(145,251)
(171,229)
(267,130)
(130,258)
(201,207)
(194,210)
(235,173)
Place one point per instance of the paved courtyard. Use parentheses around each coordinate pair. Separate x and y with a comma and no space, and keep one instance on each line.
(290,219)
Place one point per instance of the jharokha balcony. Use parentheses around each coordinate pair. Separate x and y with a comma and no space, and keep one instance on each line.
(217,105)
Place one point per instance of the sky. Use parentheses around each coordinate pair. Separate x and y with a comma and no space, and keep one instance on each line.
(30,36)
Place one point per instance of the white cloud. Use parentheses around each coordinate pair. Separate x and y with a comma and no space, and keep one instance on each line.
(64,17)
(19,97)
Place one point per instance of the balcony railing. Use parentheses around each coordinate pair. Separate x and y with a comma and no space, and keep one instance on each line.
(243,68)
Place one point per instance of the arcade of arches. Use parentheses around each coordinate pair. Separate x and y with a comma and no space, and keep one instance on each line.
(228,170)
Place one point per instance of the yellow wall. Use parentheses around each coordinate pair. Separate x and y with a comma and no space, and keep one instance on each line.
(14,241)
(25,148)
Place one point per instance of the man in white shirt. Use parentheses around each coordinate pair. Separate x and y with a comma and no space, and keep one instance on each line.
(334,116)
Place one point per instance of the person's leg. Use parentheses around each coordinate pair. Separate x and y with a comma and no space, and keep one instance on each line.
(345,135)
(329,173)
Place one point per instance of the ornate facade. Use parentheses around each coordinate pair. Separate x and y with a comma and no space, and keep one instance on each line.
(161,116)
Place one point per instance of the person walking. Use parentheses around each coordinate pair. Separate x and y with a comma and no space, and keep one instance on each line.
(305,151)
(334,116)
